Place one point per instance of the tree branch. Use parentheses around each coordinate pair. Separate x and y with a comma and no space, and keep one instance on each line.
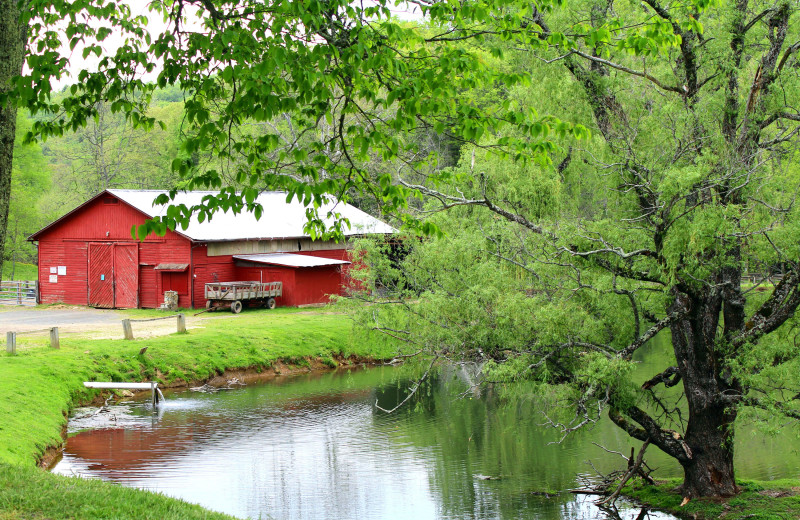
(449,201)
(781,407)
(778,308)
(669,441)
(660,325)
(628,70)
(670,377)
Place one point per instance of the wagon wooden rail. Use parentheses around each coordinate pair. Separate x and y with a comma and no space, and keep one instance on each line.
(235,295)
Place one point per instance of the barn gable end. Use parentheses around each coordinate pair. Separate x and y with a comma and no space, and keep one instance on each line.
(95,239)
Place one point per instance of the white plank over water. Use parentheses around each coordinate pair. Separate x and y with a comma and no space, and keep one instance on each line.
(120,386)
(152,386)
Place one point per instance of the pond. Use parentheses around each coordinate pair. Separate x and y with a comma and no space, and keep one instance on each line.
(316,447)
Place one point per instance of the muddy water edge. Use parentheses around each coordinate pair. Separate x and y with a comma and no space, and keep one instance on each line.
(254,375)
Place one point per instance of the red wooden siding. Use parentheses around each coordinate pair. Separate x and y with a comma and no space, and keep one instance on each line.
(164,252)
(301,286)
(69,288)
(93,221)
(315,285)
(148,298)
(175,281)
(114,275)
(269,273)
(209,269)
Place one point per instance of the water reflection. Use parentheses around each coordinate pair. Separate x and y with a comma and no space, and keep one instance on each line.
(315,447)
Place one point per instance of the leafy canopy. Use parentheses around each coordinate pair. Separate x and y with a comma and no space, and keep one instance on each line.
(260,78)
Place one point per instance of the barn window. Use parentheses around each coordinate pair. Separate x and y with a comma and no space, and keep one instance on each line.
(110,200)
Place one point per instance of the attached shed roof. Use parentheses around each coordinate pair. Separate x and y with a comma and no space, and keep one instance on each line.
(279,219)
(171,267)
(290,260)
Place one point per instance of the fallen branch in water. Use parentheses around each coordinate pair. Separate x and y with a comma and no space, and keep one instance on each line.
(633,469)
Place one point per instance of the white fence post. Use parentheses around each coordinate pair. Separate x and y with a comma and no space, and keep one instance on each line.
(11,342)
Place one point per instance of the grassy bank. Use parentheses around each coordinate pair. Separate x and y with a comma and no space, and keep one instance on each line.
(40,384)
(759,500)
(32,494)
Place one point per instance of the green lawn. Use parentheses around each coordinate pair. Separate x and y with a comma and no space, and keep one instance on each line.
(21,271)
(759,500)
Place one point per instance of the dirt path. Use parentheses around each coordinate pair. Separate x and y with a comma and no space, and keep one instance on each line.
(92,323)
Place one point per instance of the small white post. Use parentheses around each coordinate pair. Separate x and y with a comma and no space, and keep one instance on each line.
(181,323)
(11,342)
(54,337)
(126,329)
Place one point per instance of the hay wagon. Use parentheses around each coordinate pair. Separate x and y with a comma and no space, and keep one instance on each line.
(235,295)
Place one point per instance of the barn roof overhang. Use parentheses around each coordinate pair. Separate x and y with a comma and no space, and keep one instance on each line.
(290,260)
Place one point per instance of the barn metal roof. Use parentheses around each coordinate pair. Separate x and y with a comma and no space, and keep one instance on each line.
(290,260)
(279,219)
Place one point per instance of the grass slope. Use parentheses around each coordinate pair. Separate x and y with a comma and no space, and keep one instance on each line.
(40,384)
(21,271)
(33,494)
(759,500)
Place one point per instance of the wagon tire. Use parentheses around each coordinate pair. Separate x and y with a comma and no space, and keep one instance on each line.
(209,306)
(236,307)
(271,304)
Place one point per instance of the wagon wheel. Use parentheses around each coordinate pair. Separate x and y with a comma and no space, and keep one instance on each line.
(209,305)
(236,307)
(270,303)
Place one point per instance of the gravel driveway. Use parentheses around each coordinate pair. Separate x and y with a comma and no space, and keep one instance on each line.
(21,319)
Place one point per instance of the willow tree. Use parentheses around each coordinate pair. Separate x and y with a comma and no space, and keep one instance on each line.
(694,174)
(704,148)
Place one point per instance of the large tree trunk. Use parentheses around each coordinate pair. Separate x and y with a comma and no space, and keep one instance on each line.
(708,471)
(13,40)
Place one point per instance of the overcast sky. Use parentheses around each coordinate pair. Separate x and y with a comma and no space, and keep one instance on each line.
(155,25)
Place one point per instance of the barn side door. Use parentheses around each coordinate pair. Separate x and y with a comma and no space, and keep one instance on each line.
(101,275)
(126,276)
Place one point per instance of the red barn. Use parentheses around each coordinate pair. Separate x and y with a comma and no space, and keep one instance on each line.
(87,257)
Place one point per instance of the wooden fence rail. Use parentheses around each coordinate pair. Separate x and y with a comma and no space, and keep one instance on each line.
(11,338)
(21,292)
(127,330)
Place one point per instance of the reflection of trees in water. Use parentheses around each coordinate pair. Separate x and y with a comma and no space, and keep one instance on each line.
(449,440)
(472,434)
